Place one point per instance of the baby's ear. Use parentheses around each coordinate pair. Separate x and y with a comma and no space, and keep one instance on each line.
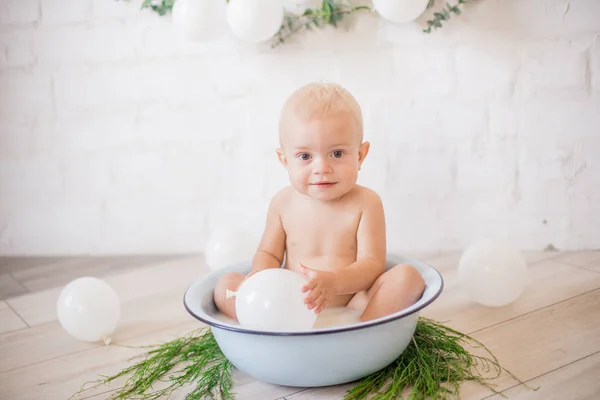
(281,157)
(362,153)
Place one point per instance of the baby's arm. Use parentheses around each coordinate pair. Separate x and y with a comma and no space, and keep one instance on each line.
(272,246)
(370,252)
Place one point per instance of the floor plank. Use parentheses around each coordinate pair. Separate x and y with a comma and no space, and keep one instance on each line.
(549,282)
(576,381)
(542,341)
(335,392)
(60,273)
(10,264)
(10,287)
(582,259)
(9,320)
(40,307)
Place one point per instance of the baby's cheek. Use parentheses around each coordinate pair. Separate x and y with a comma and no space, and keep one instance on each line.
(299,181)
(350,173)
(303,177)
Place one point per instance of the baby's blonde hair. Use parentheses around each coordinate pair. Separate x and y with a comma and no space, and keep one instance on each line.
(319,99)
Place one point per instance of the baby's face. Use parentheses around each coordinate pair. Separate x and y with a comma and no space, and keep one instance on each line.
(323,156)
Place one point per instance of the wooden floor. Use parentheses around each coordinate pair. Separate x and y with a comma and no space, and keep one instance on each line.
(549,338)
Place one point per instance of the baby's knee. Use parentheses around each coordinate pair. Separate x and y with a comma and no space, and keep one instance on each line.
(409,274)
(229,281)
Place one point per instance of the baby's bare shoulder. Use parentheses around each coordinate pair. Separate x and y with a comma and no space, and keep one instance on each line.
(365,196)
(282,197)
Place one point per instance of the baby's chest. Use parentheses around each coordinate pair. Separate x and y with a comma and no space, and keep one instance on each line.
(318,231)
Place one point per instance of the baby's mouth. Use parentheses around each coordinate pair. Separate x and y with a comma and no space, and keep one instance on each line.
(323,184)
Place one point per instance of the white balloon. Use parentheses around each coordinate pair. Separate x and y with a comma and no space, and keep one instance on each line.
(400,11)
(493,272)
(227,246)
(272,300)
(197,19)
(254,20)
(89,309)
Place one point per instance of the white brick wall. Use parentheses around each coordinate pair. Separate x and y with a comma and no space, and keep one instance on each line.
(15,12)
(487,70)
(58,12)
(116,138)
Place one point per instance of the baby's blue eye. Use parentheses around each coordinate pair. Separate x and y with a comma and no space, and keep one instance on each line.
(338,153)
(304,156)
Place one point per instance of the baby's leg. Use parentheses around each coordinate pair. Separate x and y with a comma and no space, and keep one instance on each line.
(393,291)
(229,281)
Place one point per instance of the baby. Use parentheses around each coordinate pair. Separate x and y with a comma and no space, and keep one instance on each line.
(330,228)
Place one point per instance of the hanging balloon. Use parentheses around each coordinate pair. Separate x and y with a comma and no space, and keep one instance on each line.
(400,11)
(493,272)
(196,20)
(88,309)
(254,20)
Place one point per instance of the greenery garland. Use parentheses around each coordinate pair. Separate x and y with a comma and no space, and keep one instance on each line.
(443,15)
(332,12)
(433,366)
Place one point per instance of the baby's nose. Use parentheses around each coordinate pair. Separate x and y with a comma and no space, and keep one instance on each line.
(322,166)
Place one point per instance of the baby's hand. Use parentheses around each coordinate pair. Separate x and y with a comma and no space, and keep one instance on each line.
(321,286)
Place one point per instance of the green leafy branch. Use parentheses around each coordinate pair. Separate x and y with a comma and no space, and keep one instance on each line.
(330,13)
(443,15)
(433,365)
(193,359)
(160,6)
